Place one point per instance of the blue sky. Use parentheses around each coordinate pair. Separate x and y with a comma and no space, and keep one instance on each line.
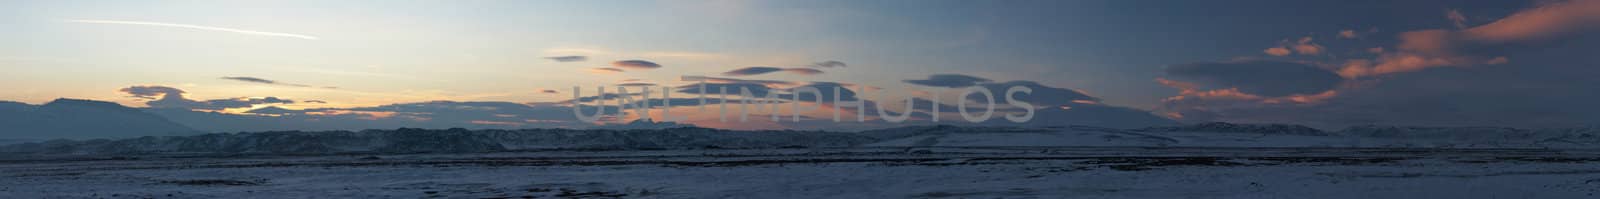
(371,53)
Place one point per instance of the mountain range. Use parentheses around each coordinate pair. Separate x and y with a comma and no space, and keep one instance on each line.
(88,119)
(75,118)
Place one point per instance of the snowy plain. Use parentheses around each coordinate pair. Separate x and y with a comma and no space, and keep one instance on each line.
(914,162)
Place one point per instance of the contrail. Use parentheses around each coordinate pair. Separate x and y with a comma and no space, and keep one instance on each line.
(200,27)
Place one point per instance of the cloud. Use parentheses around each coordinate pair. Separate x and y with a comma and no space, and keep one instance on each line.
(1352,34)
(829,64)
(605,70)
(757,70)
(1092,115)
(1207,87)
(1485,44)
(173,98)
(1424,49)
(1456,18)
(767,83)
(758,90)
(251,79)
(613,94)
(636,84)
(948,81)
(196,27)
(847,92)
(452,114)
(573,58)
(1549,93)
(635,64)
(267,81)
(1305,47)
(315,101)
(151,92)
(549,91)
(1042,96)
(1277,51)
(1543,22)
(683,55)
(241,102)
(1424,79)
(803,71)
(826,95)
(1266,78)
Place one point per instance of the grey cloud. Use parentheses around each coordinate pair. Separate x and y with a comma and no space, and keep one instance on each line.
(758,90)
(757,70)
(948,81)
(635,64)
(769,83)
(637,84)
(829,64)
(1041,96)
(219,104)
(574,58)
(150,92)
(267,81)
(173,98)
(613,94)
(825,91)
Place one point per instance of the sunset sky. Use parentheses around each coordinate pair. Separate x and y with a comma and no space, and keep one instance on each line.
(1326,63)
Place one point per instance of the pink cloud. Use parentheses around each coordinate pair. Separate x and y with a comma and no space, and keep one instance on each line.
(1348,34)
(1277,51)
(1424,49)
(1542,22)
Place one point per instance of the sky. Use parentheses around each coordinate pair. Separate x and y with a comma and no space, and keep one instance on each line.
(1320,63)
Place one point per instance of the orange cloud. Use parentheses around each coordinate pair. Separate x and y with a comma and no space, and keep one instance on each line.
(1305,47)
(1277,51)
(605,70)
(1438,48)
(1542,22)
(1188,91)
(1302,46)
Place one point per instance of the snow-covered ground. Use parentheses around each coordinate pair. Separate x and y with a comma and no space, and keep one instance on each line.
(929,172)
(1215,160)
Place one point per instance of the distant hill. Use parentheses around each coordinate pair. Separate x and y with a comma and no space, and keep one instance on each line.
(81,119)
(458,140)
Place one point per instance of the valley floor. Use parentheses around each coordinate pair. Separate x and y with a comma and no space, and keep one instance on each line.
(999,172)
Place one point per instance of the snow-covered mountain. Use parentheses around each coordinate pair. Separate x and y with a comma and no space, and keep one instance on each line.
(409,140)
(79,119)
(1224,127)
(449,140)
(1246,135)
